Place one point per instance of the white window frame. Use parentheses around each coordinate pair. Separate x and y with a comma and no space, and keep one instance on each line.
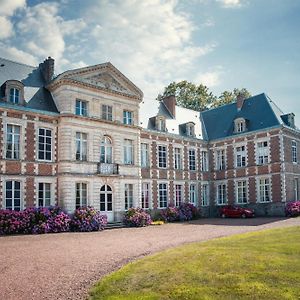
(162,156)
(221,193)
(190,129)
(165,190)
(14,135)
(13,190)
(240,156)
(15,96)
(82,111)
(204,161)
(294,151)
(178,189)
(296,188)
(144,155)
(241,189)
(193,199)
(128,196)
(220,159)
(177,158)
(83,197)
(240,125)
(127,117)
(192,159)
(44,192)
(146,195)
(128,150)
(205,194)
(82,139)
(262,191)
(106,150)
(44,150)
(106,112)
(161,124)
(262,153)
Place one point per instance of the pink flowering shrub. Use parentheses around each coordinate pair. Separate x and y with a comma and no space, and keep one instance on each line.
(87,219)
(292,209)
(170,214)
(11,222)
(185,212)
(137,217)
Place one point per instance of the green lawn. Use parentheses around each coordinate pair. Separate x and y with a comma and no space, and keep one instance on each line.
(260,265)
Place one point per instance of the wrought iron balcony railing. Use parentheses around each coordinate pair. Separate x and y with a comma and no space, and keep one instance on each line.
(108,169)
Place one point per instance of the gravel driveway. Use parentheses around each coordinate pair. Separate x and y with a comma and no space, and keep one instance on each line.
(64,266)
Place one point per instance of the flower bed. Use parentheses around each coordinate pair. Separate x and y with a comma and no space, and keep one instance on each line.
(50,220)
(137,217)
(292,209)
(185,212)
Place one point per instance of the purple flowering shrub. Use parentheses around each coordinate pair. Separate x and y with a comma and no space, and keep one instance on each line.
(87,219)
(34,220)
(137,217)
(292,209)
(185,212)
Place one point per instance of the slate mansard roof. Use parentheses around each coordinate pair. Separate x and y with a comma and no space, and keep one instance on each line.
(37,97)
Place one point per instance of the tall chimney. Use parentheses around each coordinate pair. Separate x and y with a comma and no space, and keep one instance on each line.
(47,69)
(170,103)
(240,101)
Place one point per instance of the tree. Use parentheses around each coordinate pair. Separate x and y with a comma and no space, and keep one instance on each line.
(189,95)
(199,97)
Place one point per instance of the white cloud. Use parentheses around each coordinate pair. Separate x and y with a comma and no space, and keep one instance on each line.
(6,28)
(230,3)
(211,78)
(8,7)
(149,41)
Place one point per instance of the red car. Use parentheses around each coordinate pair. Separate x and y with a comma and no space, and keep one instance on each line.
(236,212)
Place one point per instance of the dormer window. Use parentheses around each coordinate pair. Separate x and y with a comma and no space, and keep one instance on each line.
(14,95)
(161,124)
(190,129)
(240,125)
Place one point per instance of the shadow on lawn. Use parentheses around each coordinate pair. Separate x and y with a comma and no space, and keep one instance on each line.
(235,221)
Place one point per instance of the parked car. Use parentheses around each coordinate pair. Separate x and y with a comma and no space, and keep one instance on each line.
(233,211)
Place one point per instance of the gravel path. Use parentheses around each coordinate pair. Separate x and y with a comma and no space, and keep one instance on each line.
(64,266)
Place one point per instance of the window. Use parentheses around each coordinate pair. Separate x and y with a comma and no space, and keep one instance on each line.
(262,153)
(81,194)
(205,199)
(145,195)
(44,194)
(241,192)
(264,190)
(106,150)
(13,195)
(240,156)
(128,196)
(192,159)
(161,124)
(294,152)
(296,188)
(128,152)
(106,198)
(162,195)
(204,161)
(220,159)
(144,155)
(177,159)
(162,156)
(45,144)
(178,194)
(81,146)
(13,142)
(240,125)
(190,130)
(81,108)
(221,194)
(14,95)
(193,194)
(127,117)
(106,112)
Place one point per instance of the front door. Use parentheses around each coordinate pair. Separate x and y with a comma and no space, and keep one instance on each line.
(106,202)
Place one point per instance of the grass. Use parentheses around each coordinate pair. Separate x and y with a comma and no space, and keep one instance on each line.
(260,265)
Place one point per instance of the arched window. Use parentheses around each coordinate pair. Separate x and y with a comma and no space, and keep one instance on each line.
(14,95)
(106,150)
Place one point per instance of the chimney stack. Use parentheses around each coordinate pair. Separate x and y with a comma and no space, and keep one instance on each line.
(170,103)
(47,69)
(240,101)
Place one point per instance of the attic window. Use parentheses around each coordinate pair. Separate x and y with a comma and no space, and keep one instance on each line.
(14,92)
(240,125)
(190,129)
(160,124)
(14,95)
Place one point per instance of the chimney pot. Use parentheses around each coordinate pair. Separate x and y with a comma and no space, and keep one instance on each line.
(47,69)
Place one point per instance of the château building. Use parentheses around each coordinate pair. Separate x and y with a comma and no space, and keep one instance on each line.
(87,137)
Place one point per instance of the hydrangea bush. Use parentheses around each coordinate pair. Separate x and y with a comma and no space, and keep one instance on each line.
(87,219)
(185,212)
(170,214)
(137,217)
(292,209)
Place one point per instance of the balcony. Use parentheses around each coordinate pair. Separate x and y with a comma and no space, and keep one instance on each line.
(107,169)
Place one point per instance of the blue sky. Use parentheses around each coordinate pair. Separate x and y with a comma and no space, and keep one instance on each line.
(221,43)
